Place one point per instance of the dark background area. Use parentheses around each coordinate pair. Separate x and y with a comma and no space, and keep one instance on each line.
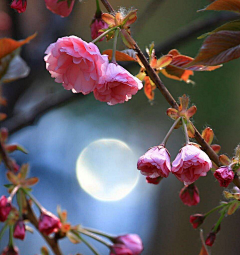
(56,139)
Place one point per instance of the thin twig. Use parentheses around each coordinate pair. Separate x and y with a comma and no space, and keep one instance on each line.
(27,118)
(6,159)
(52,242)
(167,95)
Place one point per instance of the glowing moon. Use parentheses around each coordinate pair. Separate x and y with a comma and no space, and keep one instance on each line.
(106,169)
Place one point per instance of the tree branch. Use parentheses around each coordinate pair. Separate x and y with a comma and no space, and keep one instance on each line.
(27,118)
(52,242)
(167,95)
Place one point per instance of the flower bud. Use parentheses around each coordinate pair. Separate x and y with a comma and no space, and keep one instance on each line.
(10,250)
(131,241)
(190,164)
(210,239)
(155,162)
(19,5)
(197,219)
(119,249)
(5,208)
(19,230)
(48,223)
(96,25)
(224,176)
(189,195)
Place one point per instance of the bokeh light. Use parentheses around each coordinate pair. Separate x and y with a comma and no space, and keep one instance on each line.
(106,169)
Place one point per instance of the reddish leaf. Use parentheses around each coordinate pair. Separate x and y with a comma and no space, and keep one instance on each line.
(219,48)
(177,73)
(208,135)
(190,130)
(164,61)
(229,26)
(120,56)
(191,111)
(3,116)
(183,61)
(224,5)
(224,160)
(8,45)
(172,113)
(148,88)
(216,148)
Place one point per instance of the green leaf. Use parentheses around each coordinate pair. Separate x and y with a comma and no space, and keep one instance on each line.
(223,5)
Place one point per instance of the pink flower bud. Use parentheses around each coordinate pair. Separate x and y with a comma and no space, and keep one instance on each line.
(119,249)
(196,220)
(3,134)
(98,24)
(131,241)
(60,7)
(190,164)
(189,195)
(153,180)
(48,223)
(19,230)
(76,64)
(19,5)
(10,250)
(224,176)
(155,162)
(117,85)
(5,208)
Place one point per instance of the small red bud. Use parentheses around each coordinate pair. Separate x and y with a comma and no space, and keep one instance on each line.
(210,239)
(196,220)
(189,195)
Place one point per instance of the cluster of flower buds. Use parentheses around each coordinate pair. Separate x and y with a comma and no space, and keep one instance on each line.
(190,163)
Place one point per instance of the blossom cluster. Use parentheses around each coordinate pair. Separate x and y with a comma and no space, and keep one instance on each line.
(188,166)
(80,67)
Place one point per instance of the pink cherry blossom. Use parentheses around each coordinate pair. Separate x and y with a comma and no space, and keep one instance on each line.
(189,195)
(224,176)
(131,241)
(98,24)
(117,85)
(155,162)
(190,164)
(76,64)
(61,8)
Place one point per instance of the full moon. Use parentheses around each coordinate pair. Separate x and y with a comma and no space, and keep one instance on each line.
(106,169)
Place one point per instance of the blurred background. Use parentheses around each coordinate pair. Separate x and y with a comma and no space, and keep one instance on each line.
(56,138)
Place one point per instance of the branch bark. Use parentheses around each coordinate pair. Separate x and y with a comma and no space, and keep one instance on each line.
(167,95)
(52,242)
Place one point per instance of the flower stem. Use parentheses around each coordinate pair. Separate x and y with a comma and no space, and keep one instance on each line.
(169,132)
(3,231)
(185,131)
(97,232)
(89,245)
(98,12)
(10,244)
(115,46)
(103,34)
(33,199)
(13,193)
(220,220)
(85,232)
(215,209)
